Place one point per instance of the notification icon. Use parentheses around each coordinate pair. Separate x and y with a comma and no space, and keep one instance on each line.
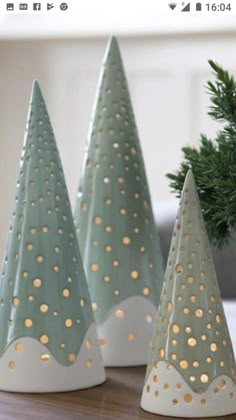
(37,6)
(63,6)
(10,6)
(23,6)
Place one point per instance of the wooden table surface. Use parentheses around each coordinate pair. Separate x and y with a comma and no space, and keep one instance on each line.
(118,398)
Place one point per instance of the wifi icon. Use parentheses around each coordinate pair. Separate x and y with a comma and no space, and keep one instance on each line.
(172,5)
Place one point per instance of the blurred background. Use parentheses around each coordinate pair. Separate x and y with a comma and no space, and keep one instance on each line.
(165,58)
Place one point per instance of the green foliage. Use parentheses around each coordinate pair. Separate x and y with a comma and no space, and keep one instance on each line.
(214,162)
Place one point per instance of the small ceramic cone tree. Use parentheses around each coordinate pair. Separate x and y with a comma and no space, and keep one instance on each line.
(191,371)
(48,339)
(116,228)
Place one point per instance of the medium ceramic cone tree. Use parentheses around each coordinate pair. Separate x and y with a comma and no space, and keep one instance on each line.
(116,228)
(191,371)
(48,339)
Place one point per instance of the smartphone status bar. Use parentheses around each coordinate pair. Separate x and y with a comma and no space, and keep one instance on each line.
(162,7)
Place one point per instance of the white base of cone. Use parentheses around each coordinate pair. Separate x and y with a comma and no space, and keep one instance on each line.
(125,336)
(25,371)
(166,393)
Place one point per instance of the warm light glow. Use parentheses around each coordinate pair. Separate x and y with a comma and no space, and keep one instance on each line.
(119,313)
(68,322)
(45,357)
(44,339)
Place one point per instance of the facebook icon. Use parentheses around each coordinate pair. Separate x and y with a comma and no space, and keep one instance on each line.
(37,6)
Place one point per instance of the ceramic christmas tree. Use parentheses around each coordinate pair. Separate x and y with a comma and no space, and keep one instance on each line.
(116,228)
(48,339)
(191,371)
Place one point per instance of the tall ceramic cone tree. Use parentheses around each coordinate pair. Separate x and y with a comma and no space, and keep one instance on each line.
(116,228)
(191,371)
(48,338)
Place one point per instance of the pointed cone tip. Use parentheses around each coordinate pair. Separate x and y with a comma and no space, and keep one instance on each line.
(112,47)
(36,93)
(113,41)
(190,173)
(35,83)
(189,179)
(35,86)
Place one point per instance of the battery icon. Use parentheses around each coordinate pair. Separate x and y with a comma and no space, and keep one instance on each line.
(198,7)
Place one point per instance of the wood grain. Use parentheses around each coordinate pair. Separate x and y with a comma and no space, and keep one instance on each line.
(118,398)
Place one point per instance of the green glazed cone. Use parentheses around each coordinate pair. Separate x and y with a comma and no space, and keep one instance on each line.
(43,291)
(116,228)
(191,353)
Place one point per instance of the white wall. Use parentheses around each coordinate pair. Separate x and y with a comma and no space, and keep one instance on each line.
(166,73)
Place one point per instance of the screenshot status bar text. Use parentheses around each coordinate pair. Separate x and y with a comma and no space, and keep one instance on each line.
(202,7)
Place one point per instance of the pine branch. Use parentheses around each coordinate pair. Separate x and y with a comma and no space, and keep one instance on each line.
(214,162)
(223,95)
